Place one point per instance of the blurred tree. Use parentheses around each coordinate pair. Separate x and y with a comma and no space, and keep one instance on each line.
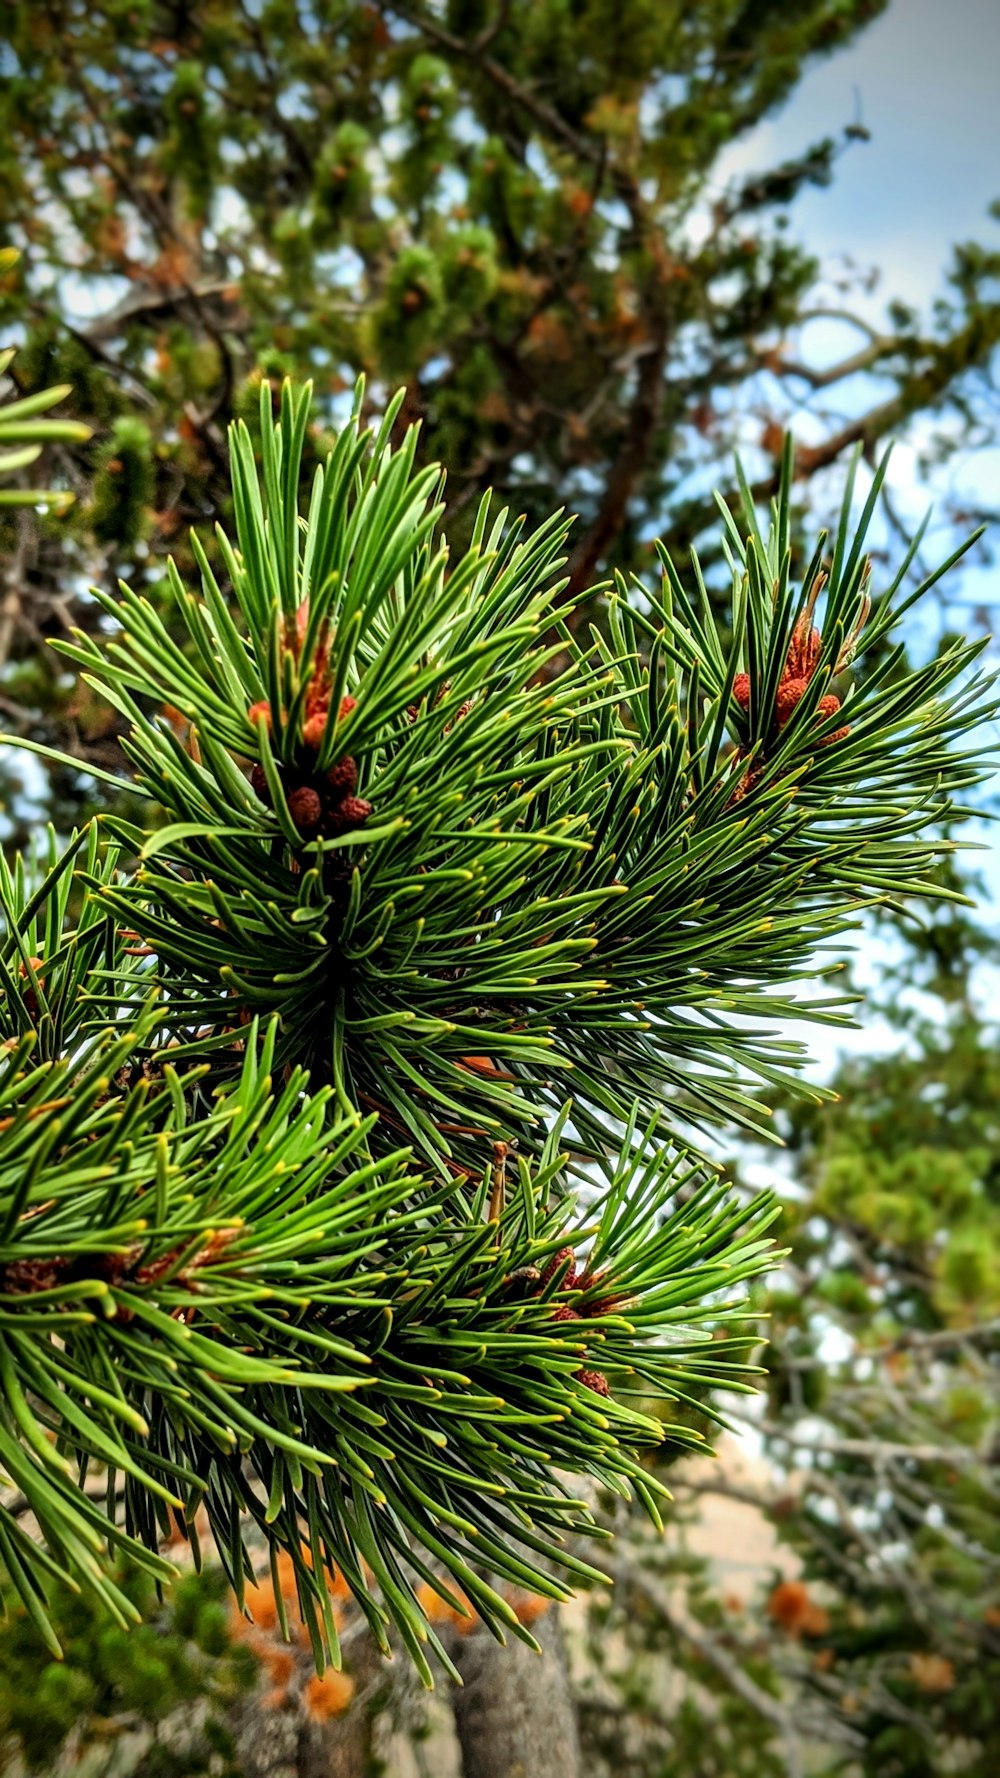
(877,1651)
(153,1701)
(512,207)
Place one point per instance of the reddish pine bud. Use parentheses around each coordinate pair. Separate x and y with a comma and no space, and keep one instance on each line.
(789,693)
(595,1380)
(342,779)
(259,785)
(741,690)
(305,809)
(563,1312)
(829,705)
(262,709)
(23,1277)
(558,1260)
(347,704)
(839,734)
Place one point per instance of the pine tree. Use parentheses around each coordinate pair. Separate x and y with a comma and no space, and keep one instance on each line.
(349,1094)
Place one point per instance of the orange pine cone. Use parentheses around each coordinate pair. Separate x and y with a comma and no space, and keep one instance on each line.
(313,730)
(829,706)
(741,690)
(327,1695)
(789,693)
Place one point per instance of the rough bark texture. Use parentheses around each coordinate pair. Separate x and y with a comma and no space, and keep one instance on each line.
(514,1714)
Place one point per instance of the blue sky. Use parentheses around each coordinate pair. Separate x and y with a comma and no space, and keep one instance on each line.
(924,80)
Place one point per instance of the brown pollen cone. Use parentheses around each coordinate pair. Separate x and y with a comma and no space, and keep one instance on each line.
(306,810)
(563,1312)
(351,813)
(557,1260)
(741,690)
(342,779)
(595,1380)
(745,785)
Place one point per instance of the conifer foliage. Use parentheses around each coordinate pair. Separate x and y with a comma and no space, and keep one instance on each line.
(346,1175)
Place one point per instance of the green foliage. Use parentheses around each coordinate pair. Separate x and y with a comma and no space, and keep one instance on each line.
(123,484)
(109,1684)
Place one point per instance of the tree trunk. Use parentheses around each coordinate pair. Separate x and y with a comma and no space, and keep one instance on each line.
(514,1713)
(293,1738)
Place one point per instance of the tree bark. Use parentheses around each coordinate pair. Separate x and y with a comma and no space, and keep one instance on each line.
(514,1712)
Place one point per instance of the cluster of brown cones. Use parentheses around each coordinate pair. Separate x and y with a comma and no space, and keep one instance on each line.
(120,1268)
(800,665)
(322,805)
(574,1280)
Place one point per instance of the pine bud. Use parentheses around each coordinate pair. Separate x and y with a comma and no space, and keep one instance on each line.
(595,1380)
(741,690)
(522,1279)
(347,704)
(262,709)
(559,1259)
(306,810)
(563,1312)
(259,784)
(789,693)
(588,1279)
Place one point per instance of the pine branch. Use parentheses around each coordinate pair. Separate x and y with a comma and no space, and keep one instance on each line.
(268,1243)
